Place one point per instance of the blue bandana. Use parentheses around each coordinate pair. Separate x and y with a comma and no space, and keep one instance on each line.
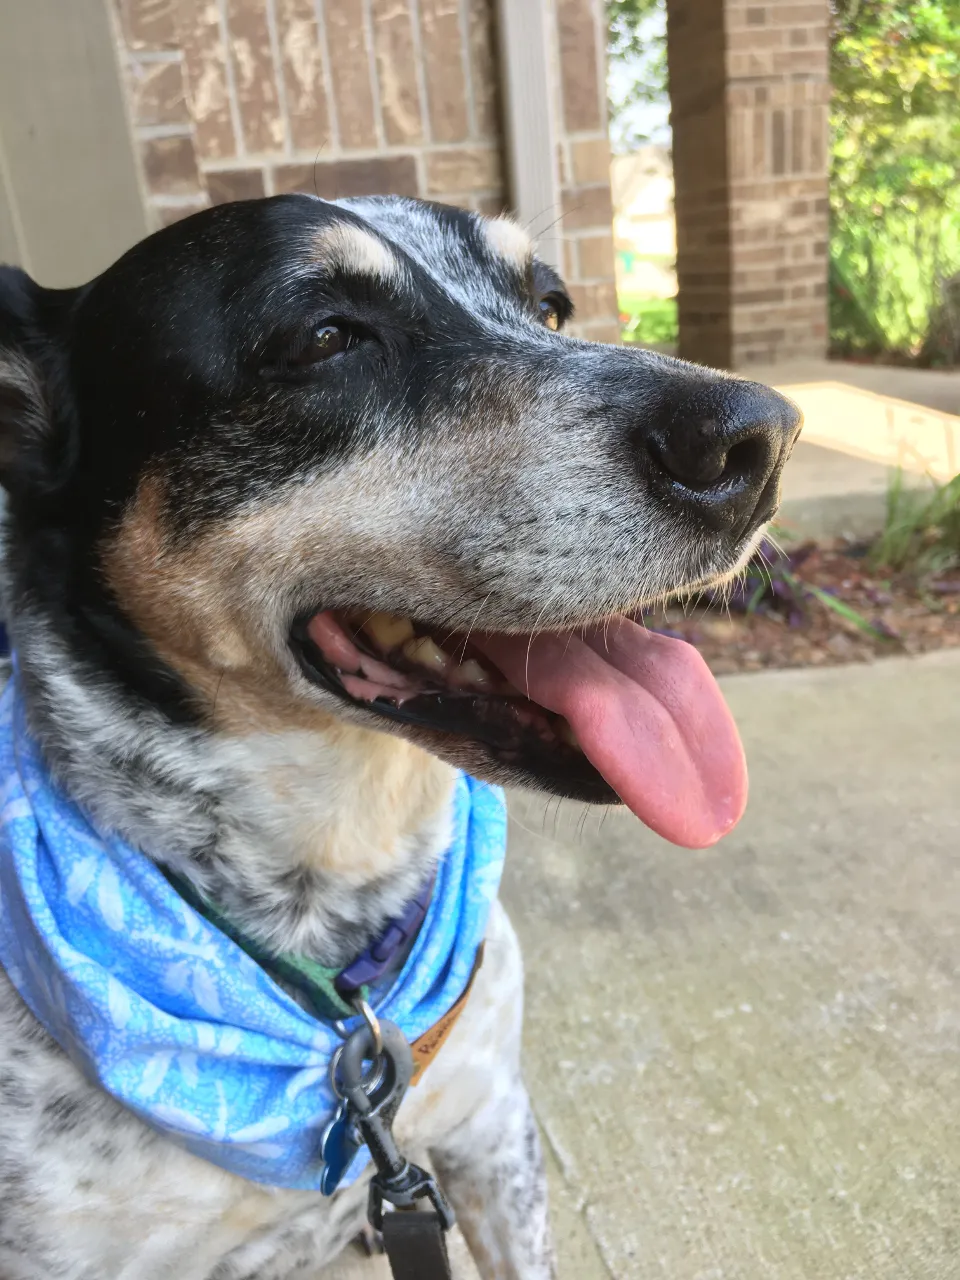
(168,1014)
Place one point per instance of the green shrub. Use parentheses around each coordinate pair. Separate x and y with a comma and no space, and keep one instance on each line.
(649,321)
(895,170)
(921,534)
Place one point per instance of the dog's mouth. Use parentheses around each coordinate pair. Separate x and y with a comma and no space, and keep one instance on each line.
(607,712)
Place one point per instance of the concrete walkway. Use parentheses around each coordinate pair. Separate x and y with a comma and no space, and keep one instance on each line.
(746,1061)
(936,389)
(860,423)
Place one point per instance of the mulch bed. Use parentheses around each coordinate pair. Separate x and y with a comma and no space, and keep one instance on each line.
(782,621)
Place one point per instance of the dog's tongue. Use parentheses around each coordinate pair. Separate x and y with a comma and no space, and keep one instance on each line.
(649,717)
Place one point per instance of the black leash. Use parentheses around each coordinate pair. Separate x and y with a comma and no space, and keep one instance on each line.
(416,1246)
(405,1203)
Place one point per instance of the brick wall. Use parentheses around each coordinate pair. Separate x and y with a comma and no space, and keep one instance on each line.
(586,211)
(749,95)
(237,98)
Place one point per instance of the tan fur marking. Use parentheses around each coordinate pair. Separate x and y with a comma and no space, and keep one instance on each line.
(202,608)
(509,240)
(353,249)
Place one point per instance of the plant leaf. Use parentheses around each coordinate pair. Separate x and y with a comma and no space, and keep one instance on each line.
(845,611)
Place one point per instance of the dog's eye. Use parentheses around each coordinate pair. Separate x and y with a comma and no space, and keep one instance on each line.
(326,340)
(549,313)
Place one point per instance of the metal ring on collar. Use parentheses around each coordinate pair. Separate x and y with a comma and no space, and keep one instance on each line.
(332,1071)
(372,1021)
(371,1079)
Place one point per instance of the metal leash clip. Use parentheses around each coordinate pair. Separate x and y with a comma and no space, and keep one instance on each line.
(372,1100)
(341,1139)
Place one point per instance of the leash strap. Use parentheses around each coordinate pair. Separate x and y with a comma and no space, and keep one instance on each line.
(405,1204)
(416,1246)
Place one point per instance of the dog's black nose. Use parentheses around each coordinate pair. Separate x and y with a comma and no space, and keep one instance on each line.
(717,448)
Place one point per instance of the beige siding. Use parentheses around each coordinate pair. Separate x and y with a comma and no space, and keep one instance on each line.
(71,180)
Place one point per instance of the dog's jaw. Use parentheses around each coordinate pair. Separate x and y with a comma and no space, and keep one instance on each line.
(311,841)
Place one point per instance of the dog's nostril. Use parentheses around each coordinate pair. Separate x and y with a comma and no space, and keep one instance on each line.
(700,464)
(694,455)
(695,468)
(745,458)
(717,448)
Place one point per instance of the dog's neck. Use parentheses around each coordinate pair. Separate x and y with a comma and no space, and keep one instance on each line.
(309,842)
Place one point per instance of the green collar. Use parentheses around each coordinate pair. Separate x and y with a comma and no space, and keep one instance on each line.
(314,981)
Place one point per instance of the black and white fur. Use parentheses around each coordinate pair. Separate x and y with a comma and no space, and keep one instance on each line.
(180,488)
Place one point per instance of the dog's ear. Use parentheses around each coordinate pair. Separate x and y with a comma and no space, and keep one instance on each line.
(36,415)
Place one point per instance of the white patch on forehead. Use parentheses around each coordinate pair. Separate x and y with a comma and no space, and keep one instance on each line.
(508,239)
(438,248)
(354,249)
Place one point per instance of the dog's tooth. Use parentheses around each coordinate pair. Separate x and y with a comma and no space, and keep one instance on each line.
(568,736)
(387,630)
(471,675)
(425,653)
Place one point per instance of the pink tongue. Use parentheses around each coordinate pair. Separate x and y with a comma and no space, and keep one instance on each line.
(649,717)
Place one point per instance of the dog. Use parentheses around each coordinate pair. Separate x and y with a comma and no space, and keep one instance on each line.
(310,506)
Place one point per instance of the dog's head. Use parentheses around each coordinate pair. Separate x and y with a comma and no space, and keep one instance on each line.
(295,463)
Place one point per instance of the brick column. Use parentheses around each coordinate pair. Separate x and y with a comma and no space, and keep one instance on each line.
(749,93)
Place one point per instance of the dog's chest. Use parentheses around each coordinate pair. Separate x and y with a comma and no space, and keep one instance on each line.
(87,1191)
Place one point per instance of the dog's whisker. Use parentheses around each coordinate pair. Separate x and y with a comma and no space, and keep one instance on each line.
(775,543)
(473,624)
(533,635)
(528,225)
(556,817)
(515,821)
(550,225)
(584,814)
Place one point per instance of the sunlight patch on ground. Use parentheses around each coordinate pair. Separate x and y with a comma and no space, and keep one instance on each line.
(877,427)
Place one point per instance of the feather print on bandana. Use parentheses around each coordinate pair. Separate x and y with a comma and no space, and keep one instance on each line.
(167,1013)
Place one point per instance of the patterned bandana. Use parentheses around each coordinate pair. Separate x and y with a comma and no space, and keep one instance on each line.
(168,1014)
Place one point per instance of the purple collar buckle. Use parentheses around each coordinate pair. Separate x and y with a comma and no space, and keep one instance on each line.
(370,966)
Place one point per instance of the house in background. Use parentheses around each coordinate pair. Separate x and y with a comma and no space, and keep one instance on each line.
(117,116)
(644,223)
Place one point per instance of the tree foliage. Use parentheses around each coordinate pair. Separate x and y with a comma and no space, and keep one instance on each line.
(625,19)
(633,39)
(895,71)
(895,177)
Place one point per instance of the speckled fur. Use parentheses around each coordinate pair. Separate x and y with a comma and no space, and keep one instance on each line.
(476,474)
(88,1192)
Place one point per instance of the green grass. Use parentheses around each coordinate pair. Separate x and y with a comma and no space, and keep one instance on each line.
(650,321)
(627,260)
(921,534)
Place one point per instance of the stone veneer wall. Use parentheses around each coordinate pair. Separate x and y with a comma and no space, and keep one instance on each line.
(230,99)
